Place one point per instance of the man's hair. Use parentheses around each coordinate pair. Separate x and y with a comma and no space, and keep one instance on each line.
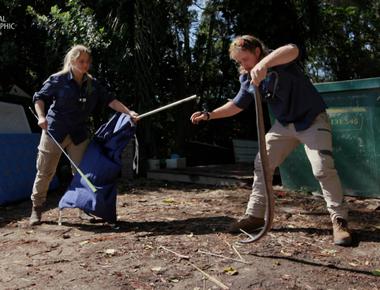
(247,43)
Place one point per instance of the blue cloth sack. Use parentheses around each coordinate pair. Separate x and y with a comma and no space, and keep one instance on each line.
(101,164)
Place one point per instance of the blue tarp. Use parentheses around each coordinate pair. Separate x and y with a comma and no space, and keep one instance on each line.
(18,166)
(101,164)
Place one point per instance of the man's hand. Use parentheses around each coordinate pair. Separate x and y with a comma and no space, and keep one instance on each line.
(258,73)
(199,116)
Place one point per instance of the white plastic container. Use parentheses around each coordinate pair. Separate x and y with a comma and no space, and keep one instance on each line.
(153,164)
(176,163)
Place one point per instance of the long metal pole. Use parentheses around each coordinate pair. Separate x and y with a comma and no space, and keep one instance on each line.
(167,107)
(90,185)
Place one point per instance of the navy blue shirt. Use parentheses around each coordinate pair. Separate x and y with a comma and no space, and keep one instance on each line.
(70,105)
(296,100)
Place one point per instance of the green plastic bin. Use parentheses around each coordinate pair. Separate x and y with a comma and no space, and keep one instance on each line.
(354,110)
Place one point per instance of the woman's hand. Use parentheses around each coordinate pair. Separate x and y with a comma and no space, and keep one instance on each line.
(42,122)
(135,117)
(199,116)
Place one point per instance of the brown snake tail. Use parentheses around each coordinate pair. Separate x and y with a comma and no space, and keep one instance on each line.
(265,169)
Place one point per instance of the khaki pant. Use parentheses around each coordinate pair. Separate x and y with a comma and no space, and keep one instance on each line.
(317,140)
(47,162)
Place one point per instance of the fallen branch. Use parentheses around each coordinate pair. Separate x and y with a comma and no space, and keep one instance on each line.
(235,250)
(313,263)
(65,232)
(175,253)
(224,257)
(7,234)
(217,282)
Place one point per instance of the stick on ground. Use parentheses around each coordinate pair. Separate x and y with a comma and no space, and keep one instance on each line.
(175,253)
(224,257)
(235,250)
(216,281)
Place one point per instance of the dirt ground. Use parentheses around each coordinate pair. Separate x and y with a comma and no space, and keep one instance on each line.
(159,222)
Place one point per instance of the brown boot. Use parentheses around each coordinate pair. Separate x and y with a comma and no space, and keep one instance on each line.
(247,223)
(35,217)
(341,233)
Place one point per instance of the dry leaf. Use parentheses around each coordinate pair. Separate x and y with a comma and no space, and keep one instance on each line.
(329,252)
(285,253)
(376,272)
(373,207)
(83,243)
(110,252)
(230,271)
(168,200)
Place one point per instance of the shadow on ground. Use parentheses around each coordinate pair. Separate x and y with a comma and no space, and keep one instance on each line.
(196,226)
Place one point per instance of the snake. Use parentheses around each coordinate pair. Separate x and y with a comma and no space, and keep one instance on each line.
(269,205)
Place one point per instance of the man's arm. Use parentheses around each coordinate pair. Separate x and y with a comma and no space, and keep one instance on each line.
(279,56)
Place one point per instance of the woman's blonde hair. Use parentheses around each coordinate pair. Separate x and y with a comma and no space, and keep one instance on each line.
(247,43)
(72,55)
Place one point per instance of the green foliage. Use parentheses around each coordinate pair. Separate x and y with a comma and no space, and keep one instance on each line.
(76,25)
(21,49)
(153,52)
(348,46)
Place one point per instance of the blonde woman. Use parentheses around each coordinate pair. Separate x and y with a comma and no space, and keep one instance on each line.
(301,118)
(68,98)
